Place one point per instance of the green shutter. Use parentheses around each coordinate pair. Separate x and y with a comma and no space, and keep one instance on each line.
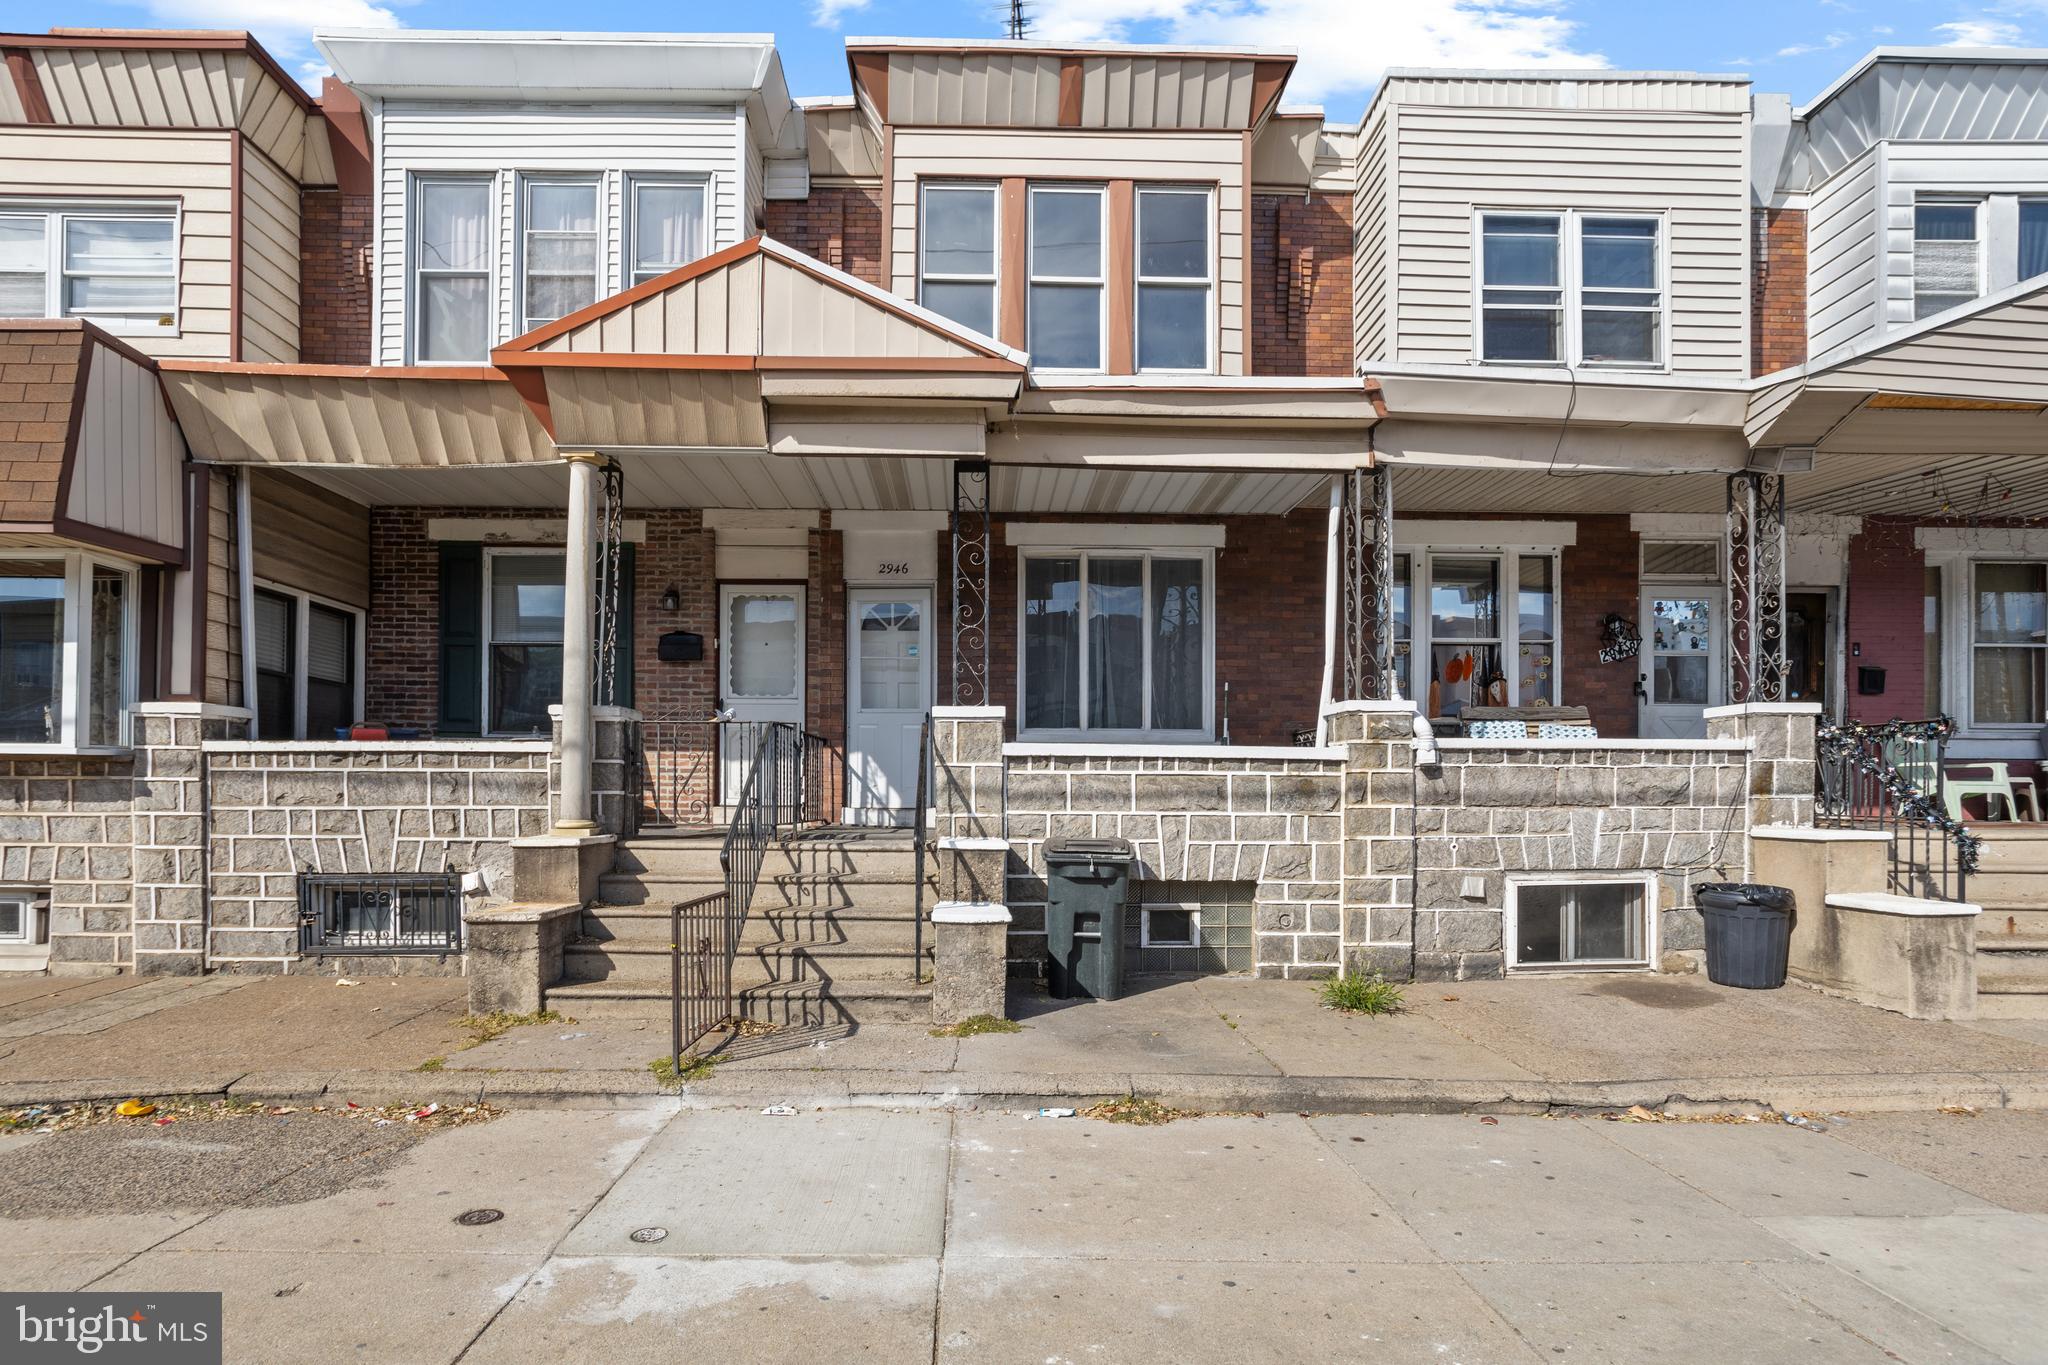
(622,674)
(462,638)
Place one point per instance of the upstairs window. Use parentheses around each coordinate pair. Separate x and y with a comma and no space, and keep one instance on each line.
(115,266)
(957,254)
(1066,295)
(2033,238)
(668,227)
(451,255)
(1522,288)
(1948,256)
(1620,306)
(1173,279)
(559,253)
(1608,266)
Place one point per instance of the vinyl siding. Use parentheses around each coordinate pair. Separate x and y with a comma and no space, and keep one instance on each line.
(195,168)
(158,88)
(129,476)
(1993,168)
(1841,256)
(1370,256)
(305,537)
(270,261)
(983,153)
(1690,166)
(608,141)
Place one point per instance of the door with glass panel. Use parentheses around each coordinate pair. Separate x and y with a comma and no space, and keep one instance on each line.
(1681,662)
(761,672)
(890,686)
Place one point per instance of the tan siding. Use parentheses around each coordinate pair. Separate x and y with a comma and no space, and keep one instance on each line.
(192,167)
(1182,158)
(984,88)
(1688,166)
(157,88)
(1022,90)
(1370,218)
(307,538)
(223,601)
(270,262)
(842,144)
(129,466)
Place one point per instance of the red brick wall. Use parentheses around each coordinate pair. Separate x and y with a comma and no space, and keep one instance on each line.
(825,648)
(402,657)
(840,225)
(1886,618)
(334,278)
(1301,284)
(1778,291)
(1602,574)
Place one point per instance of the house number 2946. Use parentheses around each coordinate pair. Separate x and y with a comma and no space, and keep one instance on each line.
(893,568)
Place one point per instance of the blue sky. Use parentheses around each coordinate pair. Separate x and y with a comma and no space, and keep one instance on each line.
(1794,46)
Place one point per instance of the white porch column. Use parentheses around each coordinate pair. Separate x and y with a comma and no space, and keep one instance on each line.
(579,633)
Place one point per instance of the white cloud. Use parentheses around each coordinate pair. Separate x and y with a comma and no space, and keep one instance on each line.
(1979,33)
(1827,44)
(829,13)
(1344,44)
(285,27)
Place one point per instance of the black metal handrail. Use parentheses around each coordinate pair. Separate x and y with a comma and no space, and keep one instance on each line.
(1889,777)
(920,831)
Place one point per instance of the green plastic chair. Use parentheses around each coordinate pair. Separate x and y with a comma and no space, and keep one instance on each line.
(2001,783)
(1915,760)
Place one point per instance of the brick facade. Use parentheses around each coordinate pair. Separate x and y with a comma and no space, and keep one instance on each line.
(334,277)
(1887,622)
(840,225)
(1777,300)
(1602,573)
(1301,284)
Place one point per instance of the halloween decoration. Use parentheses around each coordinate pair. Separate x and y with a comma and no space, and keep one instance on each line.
(1619,640)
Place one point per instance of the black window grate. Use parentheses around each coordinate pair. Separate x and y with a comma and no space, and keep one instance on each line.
(384,913)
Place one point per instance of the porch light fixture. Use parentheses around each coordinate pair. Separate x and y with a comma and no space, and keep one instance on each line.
(670,599)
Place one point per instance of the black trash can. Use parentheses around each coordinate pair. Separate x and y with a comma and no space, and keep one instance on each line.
(1087,882)
(1749,933)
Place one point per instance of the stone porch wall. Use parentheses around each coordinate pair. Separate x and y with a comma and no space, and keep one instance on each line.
(285,808)
(1270,817)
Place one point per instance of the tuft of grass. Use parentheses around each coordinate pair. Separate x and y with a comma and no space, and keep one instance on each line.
(976,1025)
(1133,1110)
(1227,1020)
(694,1069)
(482,1028)
(432,1064)
(1369,993)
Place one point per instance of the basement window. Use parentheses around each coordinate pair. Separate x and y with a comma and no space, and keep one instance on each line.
(1577,924)
(387,913)
(21,917)
(1180,927)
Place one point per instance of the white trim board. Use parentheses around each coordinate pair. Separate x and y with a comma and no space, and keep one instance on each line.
(517,530)
(1998,542)
(1096,536)
(1484,535)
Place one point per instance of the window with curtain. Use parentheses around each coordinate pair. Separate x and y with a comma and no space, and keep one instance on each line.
(525,608)
(2009,644)
(2033,238)
(31,650)
(1947,254)
(330,670)
(1930,625)
(106,654)
(116,266)
(451,257)
(957,254)
(1488,623)
(1116,641)
(1522,287)
(559,259)
(668,225)
(1065,323)
(1173,279)
(277,683)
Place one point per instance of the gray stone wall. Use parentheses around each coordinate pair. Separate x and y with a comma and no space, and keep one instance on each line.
(66,824)
(282,809)
(614,767)
(1275,822)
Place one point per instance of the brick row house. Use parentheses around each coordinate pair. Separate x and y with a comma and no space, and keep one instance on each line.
(1431,541)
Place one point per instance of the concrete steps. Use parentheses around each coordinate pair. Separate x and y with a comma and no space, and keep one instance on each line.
(2015,966)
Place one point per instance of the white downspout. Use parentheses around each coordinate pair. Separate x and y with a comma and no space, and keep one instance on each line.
(245,577)
(1330,556)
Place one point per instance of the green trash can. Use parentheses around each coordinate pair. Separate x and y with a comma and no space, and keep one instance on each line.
(1087,882)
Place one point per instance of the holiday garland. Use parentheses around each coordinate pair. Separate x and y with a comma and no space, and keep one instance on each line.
(1861,745)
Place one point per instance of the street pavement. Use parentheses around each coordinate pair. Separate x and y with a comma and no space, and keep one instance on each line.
(654,1233)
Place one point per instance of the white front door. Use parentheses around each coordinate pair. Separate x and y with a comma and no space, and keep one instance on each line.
(1679,666)
(761,672)
(890,694)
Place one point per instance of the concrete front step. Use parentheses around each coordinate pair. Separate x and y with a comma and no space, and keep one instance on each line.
(2008,922)
(2010,971)
(859,1002)
(1996,886)
(771,893)
(650,924)
(624,964)
(695,859)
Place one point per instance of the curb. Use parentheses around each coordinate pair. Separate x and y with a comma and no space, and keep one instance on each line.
(943,1090)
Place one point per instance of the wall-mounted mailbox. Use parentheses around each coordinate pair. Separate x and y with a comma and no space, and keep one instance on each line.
(1869,681)
(681,647)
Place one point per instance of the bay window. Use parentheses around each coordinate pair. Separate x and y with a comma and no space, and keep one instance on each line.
(1173,279)
(115,265)
(525,602)
(1065,323)
(1609,269)
(667,228)
(559,249)
(1947,254)
(1488,628)
(2009,644)
(451,268)
(67,651)
(1116,642)
(957,254)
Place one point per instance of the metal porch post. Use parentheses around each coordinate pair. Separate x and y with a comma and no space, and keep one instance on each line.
(1756,587)
(1369,663)
(970,530)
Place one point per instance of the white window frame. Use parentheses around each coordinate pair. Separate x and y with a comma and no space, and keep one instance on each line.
(1140,281)
(635,181)
(414,270)
(491,555)
(1511,926)
(1421,579)
(1978,204)
(994,278)
(1193,910)
(56,214)
(1966,677)
(1645,573)
(1571,288)
(302,641)
(35,904)
(599,266)
(72,698)
(1145,734)
(1100,281)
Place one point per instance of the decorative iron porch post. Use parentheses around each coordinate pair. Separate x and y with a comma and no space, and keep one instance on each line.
(970,527)
(1369,586)
(610,583)
(1756,588)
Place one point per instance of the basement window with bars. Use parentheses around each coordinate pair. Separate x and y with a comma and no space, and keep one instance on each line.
(380,913)
(1182,927)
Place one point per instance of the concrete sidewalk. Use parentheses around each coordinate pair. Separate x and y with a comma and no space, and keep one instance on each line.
(1525,1045)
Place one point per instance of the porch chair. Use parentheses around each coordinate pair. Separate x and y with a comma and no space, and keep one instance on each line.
(1999,782)
(1917,763)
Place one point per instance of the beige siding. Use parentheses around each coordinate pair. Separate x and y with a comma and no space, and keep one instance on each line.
(1689,166)
(1371,224)
(270,262)
(1014,88)
(1022,90)
(193,168)
(1284,153)
(129,468)
(1179,158)
(223,653)
(307,538)
(842,143)
(155,88)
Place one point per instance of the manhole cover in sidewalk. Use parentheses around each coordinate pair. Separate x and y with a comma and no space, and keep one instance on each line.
(476,1218)
(647,1234)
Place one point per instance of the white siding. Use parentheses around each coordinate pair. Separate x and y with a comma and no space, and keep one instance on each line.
(1997,170)
(1841,256)
(1690,165)
(1371,240)
(612,141)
